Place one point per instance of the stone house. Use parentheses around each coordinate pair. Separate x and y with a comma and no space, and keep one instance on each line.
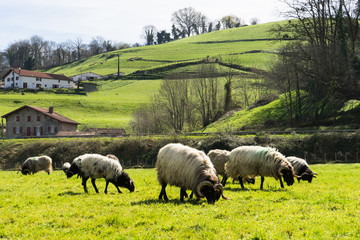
(30,121)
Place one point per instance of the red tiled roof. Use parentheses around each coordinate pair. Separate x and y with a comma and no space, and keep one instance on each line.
(45,111)
(28,73)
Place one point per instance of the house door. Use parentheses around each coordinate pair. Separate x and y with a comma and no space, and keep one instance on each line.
(24,85)
(28,131)
(37,131)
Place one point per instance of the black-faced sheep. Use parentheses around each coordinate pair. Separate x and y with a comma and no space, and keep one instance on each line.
(187,168)
(97,166)
(65,167)
(259,161)
(35,164)
(301,169)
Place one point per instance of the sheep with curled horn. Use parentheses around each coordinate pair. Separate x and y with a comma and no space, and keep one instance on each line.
(35,164)
(189,169)
(301,169)
(97,166)
(259,161)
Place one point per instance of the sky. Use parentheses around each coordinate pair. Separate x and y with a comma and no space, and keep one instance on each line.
(116,20)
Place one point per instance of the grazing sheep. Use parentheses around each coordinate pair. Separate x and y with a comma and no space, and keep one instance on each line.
(97,166)
(187,168)
(259,161)
(112,157)
(65,167)
(35,164)
(301,169)
(219,158)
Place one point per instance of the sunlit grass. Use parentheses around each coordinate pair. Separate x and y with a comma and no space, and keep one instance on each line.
(45,206)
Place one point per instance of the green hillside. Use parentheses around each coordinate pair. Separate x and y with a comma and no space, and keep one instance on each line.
(242,41)
(114,102)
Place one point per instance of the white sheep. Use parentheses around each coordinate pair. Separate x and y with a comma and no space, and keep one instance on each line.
(301,169)
(259,161)
(97,166)
(35,164)
(187,168)
(65,167)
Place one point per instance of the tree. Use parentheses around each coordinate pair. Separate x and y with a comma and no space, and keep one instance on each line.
(163,37)
(78,45)
(207,97)
(96,46)
(149,34)
(187,19)
(230,22)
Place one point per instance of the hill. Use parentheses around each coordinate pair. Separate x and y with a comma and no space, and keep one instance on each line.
(114,102)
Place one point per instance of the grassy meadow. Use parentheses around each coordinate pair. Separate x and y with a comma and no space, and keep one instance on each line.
(51,206)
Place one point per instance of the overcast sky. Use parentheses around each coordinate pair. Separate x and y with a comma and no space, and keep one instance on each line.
(116,20)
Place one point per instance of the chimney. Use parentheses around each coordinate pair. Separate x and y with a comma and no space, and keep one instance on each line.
(51,109)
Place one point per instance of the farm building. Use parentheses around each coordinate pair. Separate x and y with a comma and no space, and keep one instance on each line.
(25,79)
(30,121)
(86,76)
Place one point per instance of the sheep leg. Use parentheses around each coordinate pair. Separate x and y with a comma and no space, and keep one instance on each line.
(223,181)
(94,185)
(191,195)
(241,182)
(262,182)
(183,194)
(84,183)
(163,192)
(117,188)
(281,183)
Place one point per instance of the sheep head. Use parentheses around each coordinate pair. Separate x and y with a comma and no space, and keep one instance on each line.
(25,171)
(307,176)
(210,191)
(125,181)
(288,175)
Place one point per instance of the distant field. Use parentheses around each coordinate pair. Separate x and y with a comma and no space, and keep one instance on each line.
(110,107)
(53,207)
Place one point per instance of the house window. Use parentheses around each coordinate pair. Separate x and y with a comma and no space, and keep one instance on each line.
(38,85)
(29,118)
(17,130)
(17,118)
(8,79)
(52,129)
(38,118)
(17,77)
(38,79)
(55,86)
(58,81)
(68,82)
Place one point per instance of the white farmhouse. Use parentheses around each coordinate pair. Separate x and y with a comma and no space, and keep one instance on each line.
(86,76)
(25,79)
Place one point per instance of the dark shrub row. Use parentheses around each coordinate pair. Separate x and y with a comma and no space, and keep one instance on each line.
(141,152)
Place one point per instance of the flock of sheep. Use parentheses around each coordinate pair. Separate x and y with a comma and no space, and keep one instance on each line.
(187,168)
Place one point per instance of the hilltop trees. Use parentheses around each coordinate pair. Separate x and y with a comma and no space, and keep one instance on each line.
(324,61)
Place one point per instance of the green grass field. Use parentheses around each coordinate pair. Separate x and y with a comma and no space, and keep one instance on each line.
(53,207)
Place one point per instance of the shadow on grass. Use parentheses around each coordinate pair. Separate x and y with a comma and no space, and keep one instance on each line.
(255,190)
(70,193)
(171,201)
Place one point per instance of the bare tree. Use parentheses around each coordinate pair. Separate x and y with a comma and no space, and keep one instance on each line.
(78,45)
(187,19)
(149,34)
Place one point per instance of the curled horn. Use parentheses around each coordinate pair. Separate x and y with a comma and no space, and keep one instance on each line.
(221,188)
(202,184)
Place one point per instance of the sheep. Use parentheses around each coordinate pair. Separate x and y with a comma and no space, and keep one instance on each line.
(259,161)
(97,166)
(301,169)
(35,164)
(219,158)
(187,168)
(65,167)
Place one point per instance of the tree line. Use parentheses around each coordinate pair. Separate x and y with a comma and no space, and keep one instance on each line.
(38,53)
(320,71)
(187,22)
